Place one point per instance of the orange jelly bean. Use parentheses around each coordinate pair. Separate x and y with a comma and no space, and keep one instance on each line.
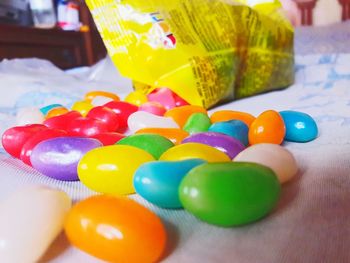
(181,114)
(56,112)
(173,134)
(268,127)
(92,94)
(227,115)
(116,229)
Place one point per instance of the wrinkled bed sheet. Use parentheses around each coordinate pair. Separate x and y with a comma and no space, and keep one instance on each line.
(311,222)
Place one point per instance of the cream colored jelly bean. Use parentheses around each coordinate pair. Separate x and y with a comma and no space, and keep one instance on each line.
(30,219)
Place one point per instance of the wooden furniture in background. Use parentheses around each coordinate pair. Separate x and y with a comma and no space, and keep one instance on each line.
(306,7)
(66,49)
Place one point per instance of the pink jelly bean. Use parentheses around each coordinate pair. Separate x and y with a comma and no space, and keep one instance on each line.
(153,107)
(123,110)
(105,115)
(164,96)
(86,127)
(36,139)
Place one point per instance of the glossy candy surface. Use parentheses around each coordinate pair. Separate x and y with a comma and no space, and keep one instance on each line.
(181,114)
(142,119)
(300,127)
(197,122)
(158,182)
(153,107)
(234,128)
(154,144)
(274,156)
(164,96)
(14,138)
(229,194)
(61,122)
(86,127)
(136,97)
(222,142)
(30,220)
(106,115)
(116,229)
(123,110)
(83,107)
(29,116)
(109,138)
(36,139)
(268,127)
(98,93)
(47,108)
(227,115)
(110,169)
(58,158)
(173,134)
(56,112)
(194,151)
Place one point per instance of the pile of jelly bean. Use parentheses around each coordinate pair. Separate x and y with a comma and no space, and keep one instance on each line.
(226,169)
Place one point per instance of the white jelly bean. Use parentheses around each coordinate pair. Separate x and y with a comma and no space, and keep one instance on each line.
(30,219)
(278,158)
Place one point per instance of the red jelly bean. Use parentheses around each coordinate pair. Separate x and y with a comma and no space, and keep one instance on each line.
(35,139)
(14,138)
(123,110)
(109,138)
(62,122)
(86,127)
(105,115)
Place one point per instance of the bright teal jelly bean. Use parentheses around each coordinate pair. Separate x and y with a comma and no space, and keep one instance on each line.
(300,127)
(158,182)
(234,128)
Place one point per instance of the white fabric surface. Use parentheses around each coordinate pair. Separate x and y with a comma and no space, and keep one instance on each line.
(311,222)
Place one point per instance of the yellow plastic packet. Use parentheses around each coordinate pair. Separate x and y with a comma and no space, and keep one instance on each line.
(206,51)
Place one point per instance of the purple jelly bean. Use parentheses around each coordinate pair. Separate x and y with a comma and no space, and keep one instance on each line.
(222,142)
(59,157)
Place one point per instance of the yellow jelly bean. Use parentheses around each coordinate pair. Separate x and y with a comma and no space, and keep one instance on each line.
(194,150)
(111,169)
(83,107)
(92,94)
(136,97)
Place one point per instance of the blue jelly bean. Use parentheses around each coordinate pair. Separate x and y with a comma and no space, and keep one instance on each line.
(300,127)
(234,128)
(158,182)
(46,109)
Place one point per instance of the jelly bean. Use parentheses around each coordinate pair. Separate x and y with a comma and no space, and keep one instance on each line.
(154,144)
(164,96)
(181,114)
(29,116)
(86,127)
(158,182)
(230,194)
(173,134)
(100,101)
(274,156)
(110,169)
(222,142)
(141,119)
(93,94)
(116,229)
(227,115)
(61,122)
(268,127)
(300,127)
(179,101)
(30,220)
(46,109)
(123,110)
(106,115)
(234,128)
(153,107)
(109,138)
(14,138)
(83,107)
(197,122)
(136,97)
(193,151)
(58,158)
(56,112)
(36,139)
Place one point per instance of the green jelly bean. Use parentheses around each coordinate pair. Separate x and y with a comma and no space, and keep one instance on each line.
(197,122)
(230,194)
(154,144)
